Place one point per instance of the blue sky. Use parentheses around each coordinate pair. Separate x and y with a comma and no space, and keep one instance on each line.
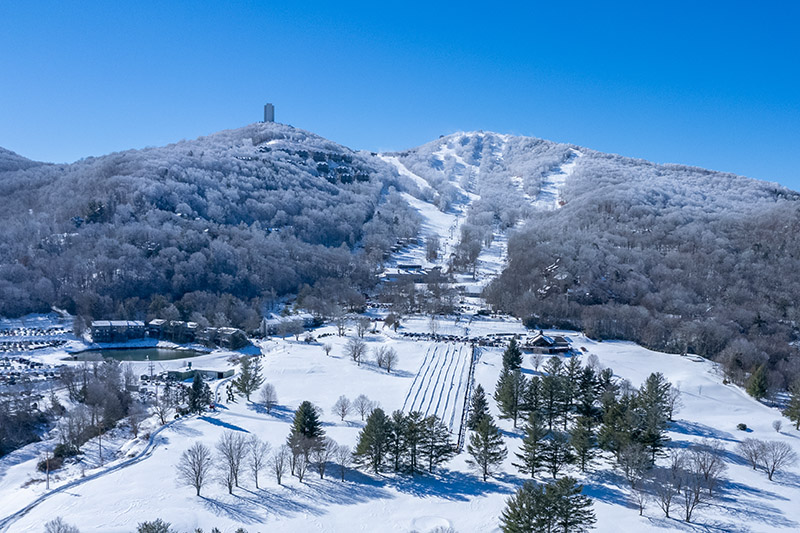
(714,86)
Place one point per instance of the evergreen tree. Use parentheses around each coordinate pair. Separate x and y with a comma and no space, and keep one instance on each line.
(531,455)
(583,442)
(479,407)
(570,382)
(792,410)
(619,424)
(199,395)
(532,399)
(557,453)
(588,392)
(512,356)
(397,448)
(558,506)
(373,441)
(572,510)
(527,511)
(306,433)
(486,448)
(653,401)
(509,394)
(757,384)
(250,378)
(436,445)
(414,429)
(553,406)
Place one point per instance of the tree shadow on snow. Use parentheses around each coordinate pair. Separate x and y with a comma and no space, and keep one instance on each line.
(451,485)
(700,430)
(218,422)
(278,412)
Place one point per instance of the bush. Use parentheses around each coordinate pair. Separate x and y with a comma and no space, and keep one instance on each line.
(55,464)
(65,450)
(741,427)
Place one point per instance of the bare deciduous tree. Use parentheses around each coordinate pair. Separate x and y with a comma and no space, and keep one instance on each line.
(752,450)
(279,462)
(344,457)
(777,425)
(57,525)
(363,406)
(257,452)
(775,456)
(323,453)
(362,326)
(300,461)
(355,349)
(707,460)
(633,459)
(327,347)
(342,407)
(268,397)
(194,467)
(674,402)
(136,415)
(163,404)
(232,450)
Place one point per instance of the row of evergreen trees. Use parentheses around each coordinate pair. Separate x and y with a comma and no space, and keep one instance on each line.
(401,442)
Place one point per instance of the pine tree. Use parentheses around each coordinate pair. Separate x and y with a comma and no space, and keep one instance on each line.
(373,441)
(509,394)
(558,506)
(553,406)
(583,442)
(531,456)
(436,445)
(653,401)
(588,386)
(526,511)
(250,378)
(572,510)
(792,410)
(757,384)
(512,356)
(479,407)
(199,395)
(486,448)
(532,399)
(557,453)
(306,433)
(570,382)
(412,438)
(397,448)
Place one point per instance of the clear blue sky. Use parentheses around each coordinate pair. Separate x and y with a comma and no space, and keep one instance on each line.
(714,86)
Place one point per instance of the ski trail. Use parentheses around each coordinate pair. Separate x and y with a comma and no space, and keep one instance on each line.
(460,372)
(416,378)
(427,382)
(423,381)
(446,384)
(438,379)
(549,197)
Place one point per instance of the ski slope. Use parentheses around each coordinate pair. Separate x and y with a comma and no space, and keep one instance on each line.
(440,384)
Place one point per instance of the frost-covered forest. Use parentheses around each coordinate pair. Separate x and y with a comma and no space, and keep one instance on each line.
(676,258)
(205,229)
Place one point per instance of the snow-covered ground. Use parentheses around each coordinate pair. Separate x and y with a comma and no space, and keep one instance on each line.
(426,373)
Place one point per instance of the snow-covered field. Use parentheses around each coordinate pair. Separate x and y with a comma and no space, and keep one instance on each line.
(427,373)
